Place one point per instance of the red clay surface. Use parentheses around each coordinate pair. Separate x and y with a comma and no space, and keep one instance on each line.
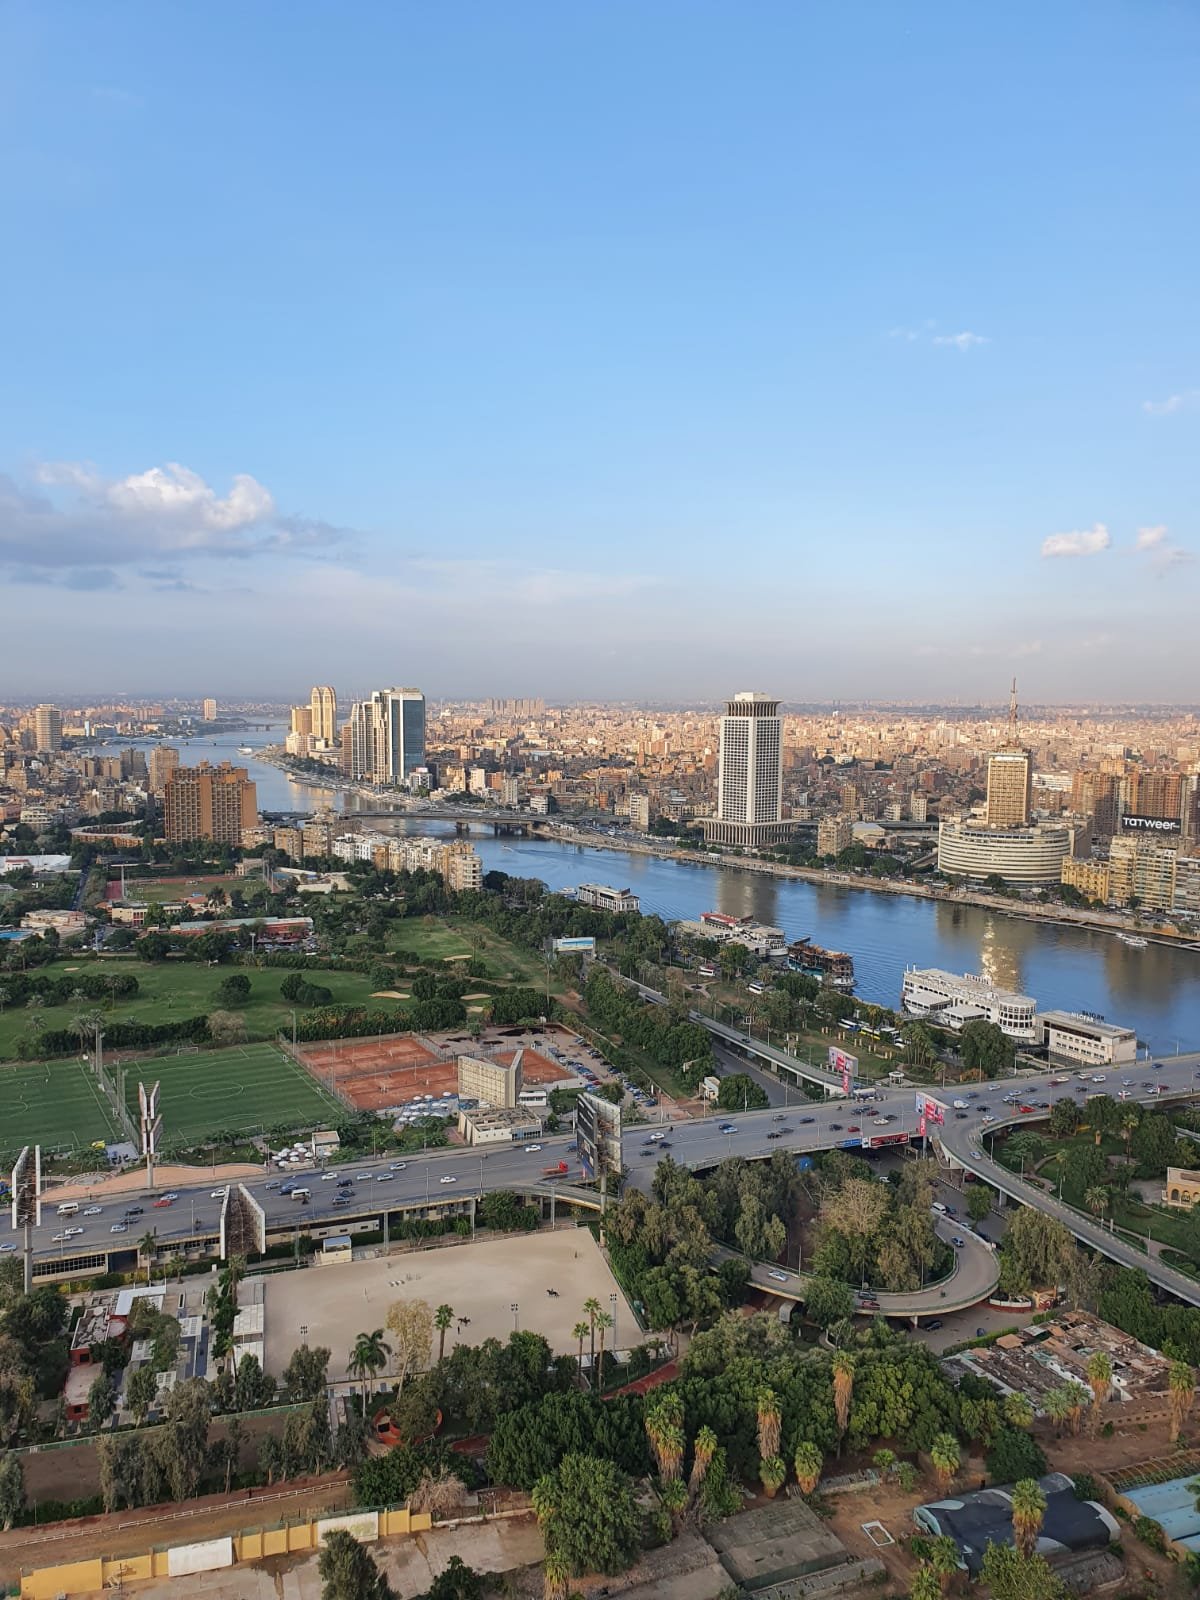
(374,1073)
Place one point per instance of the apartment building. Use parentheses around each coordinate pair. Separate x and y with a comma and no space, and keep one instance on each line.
(206,802)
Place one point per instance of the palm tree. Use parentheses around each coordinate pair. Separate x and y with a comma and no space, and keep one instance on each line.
(843,1388)
(772,1473)
(1017,1411)
(808,1463)
(1059,1404)
(884,1462)
(767,1407)
(368,1356)
(925,1585)
(603,1321)
(1096,1199)
(1181,1391)
(1028,1509)
(946,1458)
(556,1576)
(674,1498)
(1099,1375)
(4,998)
(147,1245)
(580,1332)
(1077,1396)
(942,1557)
(702,1454)
(664,1430)
(442,1318)
(591,1309)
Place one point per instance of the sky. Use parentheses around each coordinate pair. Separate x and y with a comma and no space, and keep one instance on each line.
(619,349)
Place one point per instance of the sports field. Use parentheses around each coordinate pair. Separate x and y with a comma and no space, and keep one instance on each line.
(378,1074)
(57,1104)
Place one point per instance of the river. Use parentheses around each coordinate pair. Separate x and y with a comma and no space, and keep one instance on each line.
(1155,990)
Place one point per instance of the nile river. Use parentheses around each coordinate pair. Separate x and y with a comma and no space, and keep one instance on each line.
(1155,990)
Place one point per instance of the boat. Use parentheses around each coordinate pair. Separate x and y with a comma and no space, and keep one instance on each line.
(245,750)
(830,966)
(1133,940)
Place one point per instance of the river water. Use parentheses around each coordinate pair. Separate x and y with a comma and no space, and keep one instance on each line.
(1155,990)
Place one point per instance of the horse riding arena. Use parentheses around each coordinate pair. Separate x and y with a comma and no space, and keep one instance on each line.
(375,1074)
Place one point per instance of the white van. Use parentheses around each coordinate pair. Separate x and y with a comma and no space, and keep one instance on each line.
(299,1194)
(940,1208)
(68,1208)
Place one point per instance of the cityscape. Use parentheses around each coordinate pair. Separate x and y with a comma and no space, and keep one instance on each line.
(599,802)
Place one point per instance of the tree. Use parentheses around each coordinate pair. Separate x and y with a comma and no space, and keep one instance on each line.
(768,1420)
(1028,1509)
(739,1092)
(102,1400)
(1017,1410)
(12,1489)
(306,1373)
(580,1333)
(1009,1575)
(410,1323)
(979,1202)
(703,1450)
(227,1027)
(556,1577)
(147,1245)
(1096,1199)
(1099,1376)
(588,1514)
(368,1357)
(808,1463)
(348,1572)
(234,990)
(456,1581)
(253,1389)
(664,1431)
(442,1318)
(942,1559)
(985,1049)
(1034,1251)
(843,1388)
(925,1585)
(1015,1455)
(827,1300)
(1181,1391)
(1103,1115)
(1152,1145)
(1065,1118)
(946,1458)
(591,1307)
(604,1322)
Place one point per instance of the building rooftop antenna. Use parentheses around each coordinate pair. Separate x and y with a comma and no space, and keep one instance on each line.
(1012,710)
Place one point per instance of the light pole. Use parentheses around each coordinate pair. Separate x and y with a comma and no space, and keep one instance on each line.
(516,1311)
(612,1309)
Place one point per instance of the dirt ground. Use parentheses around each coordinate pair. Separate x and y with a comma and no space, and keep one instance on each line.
(96,1186)
(482,1281)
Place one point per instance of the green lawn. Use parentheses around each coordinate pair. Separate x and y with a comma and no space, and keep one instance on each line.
(169,990)
(54,1103)
(156,891)
(445,938)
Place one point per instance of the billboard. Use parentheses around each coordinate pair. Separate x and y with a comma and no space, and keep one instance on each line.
(243,1224)
(1132,824)
(877,1141)
(928,1110)
(598,1134)
(581,946)
(844,1064)
(27,1188)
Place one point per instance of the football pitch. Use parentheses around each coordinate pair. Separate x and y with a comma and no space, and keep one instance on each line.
(243,1089)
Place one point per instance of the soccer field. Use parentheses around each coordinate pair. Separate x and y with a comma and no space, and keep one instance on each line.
(58,1104)
(243,1089)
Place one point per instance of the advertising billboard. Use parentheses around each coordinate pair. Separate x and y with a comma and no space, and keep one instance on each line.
(1133,824)
(27,1188)
(580,946)
(844,1064)
(928,1111)
(598,1134)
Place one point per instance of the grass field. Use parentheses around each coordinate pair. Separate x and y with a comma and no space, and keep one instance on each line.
(156,891)
(54,1103)
(448,938)
(58,1104)
(172,989)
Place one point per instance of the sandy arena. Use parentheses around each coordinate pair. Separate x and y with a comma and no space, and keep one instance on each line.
(481,1281)
(374,1074)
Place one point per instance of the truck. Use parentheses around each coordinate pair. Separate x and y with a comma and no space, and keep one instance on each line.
(556,1171)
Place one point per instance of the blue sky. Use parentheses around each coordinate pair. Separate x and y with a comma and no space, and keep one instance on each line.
(639,349)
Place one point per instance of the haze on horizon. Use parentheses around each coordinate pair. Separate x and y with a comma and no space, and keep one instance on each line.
(601,352)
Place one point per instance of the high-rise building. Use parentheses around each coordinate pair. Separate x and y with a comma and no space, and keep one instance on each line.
(1097,795)
(210,710)
(164,760)
(324,714)
(301,720)
(47,729)
(834,834)
(206,802)
(918,807)
(387,735)
(749,774)
(1158,795)
(1010,778)
(1142,871)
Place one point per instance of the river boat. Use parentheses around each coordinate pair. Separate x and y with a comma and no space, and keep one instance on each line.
(830,966)
(1133,940)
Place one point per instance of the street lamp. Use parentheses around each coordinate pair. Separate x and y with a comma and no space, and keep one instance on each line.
(516,1314)
(612,1307)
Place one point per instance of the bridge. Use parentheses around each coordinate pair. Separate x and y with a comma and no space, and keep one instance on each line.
(500,822)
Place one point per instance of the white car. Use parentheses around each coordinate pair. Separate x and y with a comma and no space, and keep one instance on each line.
(218,1194)
(364,1177)
(398,1166)
(171,1196)
(119,1227)
(533,1149)
(447,1179)
(779,1277)
(73,1233)
(92,1211)
(6,1247)
(328,1177)
(879,1122)
(58,1238)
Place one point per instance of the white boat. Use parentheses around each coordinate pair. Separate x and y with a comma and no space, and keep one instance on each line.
(245,750)
(1133,940)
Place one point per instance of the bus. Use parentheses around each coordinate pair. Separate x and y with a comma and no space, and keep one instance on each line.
(755,988)
(708,970)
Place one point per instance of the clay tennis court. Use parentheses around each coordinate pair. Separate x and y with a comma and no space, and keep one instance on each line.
(373,1074)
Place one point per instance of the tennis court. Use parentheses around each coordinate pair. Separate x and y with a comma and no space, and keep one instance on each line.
(374,1074)
(58,1104)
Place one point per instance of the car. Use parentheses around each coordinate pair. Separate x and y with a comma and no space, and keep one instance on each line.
(951,1212)
(778,1117)
(447,1179)
(774,1135)
(327,1177)
(728,1127)
(345,1183)
(891,1117)
(93,1211)
(1127,1083)
(868,1302)
(1054,1082)
(533,1149)
(655,1138)
(1158,1066)
(134,1211)
(218,1194)
(6,1247)
(58,1238)
(73,1233)
(362,1177)
(835,1127)
(273,1184)
(958,1242)
(934,1324)
(170,1195)
(342,1200)
(778,1277)
(160,1204)
(854,1128)
(806,1120)
(286,1188)
(879,1122)
(385,1177)
(1026,1111)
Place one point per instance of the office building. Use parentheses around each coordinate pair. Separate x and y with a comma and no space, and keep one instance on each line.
(1141,872)
(47,729)
(1010,778)
(603,897)
(1086,1041)
(495,1084)
(1025,857)
(301,720)
(323,714)
(749,775)
(834,834)
(206,802)
(387,736)
(505,1125)
(1097,795)
(290,841)
(952,1001)
(210,710)
(1091,878)
(164,760)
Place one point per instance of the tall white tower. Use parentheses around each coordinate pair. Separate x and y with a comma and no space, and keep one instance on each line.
(750,774)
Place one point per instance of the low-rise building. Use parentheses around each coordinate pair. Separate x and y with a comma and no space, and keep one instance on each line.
(1141,872)
(63,922)
(1183,1188)
(507,1125)
(1025,857)
(1088,1041)
(834,834)
(952,1001)
(1091,878)
(495,1084)
(602,897)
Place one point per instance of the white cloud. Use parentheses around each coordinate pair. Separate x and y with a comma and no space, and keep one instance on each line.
(1173,403)
(1153,543)
(1083,542)
(1151,538)
(960,341)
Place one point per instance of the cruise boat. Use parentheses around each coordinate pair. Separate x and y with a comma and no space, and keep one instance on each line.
(245,750)
(1133,940)
(830,966)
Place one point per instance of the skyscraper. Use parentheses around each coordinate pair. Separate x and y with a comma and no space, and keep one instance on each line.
(324,713)
(47,728)
(210,710)
(164,760)
(1010,778)
(749,774)
(387,735)
(205,802)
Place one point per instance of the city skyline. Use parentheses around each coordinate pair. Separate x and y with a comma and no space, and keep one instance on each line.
(885,371)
